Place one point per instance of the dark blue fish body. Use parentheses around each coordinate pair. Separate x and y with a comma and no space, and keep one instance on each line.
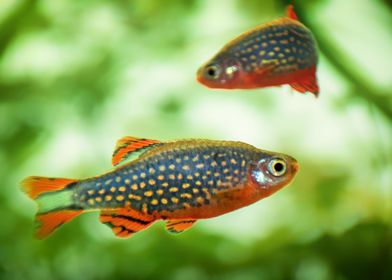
(180,181)
(282,51)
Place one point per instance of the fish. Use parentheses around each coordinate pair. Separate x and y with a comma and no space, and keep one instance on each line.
(282,51)
(178,181)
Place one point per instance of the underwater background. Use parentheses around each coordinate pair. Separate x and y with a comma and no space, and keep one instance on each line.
(75,76)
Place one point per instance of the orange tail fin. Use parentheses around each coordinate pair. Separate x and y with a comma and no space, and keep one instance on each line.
(54,199)
(35,186)
(48,222)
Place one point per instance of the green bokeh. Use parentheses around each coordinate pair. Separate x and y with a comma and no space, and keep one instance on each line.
(77,75)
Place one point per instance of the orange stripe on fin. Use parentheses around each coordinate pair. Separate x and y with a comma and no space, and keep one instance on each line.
(35,186)
(291,13)
(178,226)
(131,146)
(125,222)
(48,222)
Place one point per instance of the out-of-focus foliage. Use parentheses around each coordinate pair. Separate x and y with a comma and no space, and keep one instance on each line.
(77,75)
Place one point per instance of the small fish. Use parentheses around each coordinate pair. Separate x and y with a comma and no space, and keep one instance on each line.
(282,51)
(179,182)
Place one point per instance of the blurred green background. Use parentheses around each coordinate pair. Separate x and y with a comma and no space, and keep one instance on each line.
(75,76)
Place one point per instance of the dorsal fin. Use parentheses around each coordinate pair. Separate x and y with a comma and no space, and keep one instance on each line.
(129,148)
(291,13)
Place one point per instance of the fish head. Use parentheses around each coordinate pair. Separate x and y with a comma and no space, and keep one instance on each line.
(271,173)
(219,72)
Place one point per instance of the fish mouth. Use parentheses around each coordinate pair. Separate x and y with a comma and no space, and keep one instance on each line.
(295,166)
(199,75)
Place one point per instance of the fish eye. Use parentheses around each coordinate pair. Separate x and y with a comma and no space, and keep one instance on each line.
(277,167)
(212,71)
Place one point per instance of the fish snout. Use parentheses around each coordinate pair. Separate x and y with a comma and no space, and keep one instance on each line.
(294,165)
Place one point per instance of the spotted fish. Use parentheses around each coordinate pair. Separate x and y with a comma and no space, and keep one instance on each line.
(179,181)
(282,51)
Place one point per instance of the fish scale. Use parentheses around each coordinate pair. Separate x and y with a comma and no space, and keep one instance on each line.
(169,182)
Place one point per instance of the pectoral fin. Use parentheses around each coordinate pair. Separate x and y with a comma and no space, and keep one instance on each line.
(125,222)
(267,66)
(178,226)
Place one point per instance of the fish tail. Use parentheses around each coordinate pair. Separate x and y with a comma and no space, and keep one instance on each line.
(54,199)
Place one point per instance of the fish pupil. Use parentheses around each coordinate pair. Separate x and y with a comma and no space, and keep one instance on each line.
(211,72)
(278,167)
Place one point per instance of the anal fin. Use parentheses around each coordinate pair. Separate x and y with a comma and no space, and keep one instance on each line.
(178,226)
(125,222)
(308,84)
